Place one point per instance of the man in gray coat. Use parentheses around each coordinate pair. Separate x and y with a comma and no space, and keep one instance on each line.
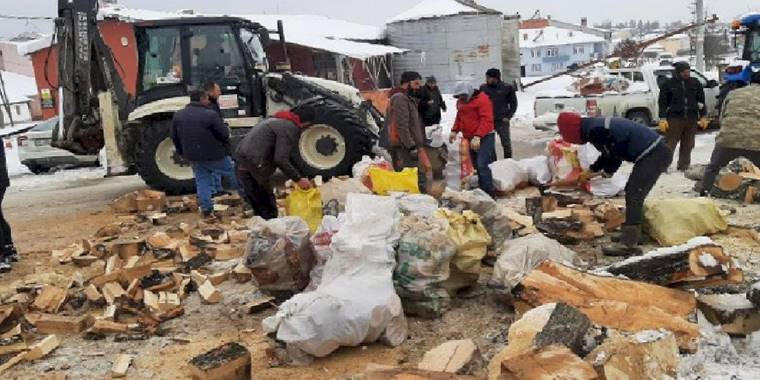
(266,148)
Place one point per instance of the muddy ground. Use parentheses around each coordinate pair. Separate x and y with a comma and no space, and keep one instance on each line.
(52,212)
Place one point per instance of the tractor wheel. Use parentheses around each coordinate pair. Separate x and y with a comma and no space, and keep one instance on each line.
(158,163)
(641,117)
(337,140)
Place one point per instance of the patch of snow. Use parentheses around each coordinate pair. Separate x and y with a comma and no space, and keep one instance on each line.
(30,46)
(29,182)
(689,245)
(432,8)
(19,87)
(649,336)
(306,30)
(555,36)
(707,260)
(719,357)
(727,302)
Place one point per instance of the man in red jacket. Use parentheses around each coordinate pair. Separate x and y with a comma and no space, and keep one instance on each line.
(475,122)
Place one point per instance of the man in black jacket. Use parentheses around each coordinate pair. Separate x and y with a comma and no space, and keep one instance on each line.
(431,102)
(682,104)
(266,148)
(504,102)
(201,137)
(8,253)
(621,140)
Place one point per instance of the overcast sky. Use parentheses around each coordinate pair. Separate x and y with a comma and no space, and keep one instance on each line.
(375,12)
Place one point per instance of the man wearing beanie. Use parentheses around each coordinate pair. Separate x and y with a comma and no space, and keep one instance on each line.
(404,130)
(504,102)
(682,109)
(621,140)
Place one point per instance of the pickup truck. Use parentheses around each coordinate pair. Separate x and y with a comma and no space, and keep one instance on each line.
(639,103)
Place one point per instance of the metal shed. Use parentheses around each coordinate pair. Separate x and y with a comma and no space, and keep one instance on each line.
(452,40)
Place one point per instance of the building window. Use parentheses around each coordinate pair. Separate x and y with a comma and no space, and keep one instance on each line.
(552,52)
(579,50)
(536,67)
(525,36)
(556,66)
(18,110)
(538,52)
(533,53)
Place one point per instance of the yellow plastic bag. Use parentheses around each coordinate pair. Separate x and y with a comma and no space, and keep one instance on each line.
(471,239)
(306,204)
(384,181)
(675,221)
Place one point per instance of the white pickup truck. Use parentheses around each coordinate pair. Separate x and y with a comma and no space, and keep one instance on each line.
(639,103)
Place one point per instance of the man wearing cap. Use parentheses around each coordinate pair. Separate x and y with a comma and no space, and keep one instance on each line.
(404,130)
(431,102)
(475,121)
(739,134)
(504,102)
(621,140)
(682,109)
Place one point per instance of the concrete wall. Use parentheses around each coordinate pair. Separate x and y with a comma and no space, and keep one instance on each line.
(567,55)
(453,48)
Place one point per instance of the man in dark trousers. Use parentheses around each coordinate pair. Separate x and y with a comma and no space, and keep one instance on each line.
(431,102)
(739,134)
(266,148)
(201,137)
(8,253)
(682,110)
(621,140)
(405,130)
(504,102)
(214,91)
(475,121)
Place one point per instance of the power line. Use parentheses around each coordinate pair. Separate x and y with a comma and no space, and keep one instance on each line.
(26,18)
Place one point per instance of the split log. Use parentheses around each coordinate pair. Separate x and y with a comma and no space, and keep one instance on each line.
(231,361)
(112,291)
(59,324)
(102,326)
(643,356)
(42,348)
(12,341)
(551,362)
(386,373)
(50,299)
(451,356)
(242,273)
(225,252)
(739,180)
(733,312)
(12,361)
(614,303)
(121,366)
(9,315)
(208,293)
(555,325)
(168,301)
(259,304)
(696,264)
(610,215)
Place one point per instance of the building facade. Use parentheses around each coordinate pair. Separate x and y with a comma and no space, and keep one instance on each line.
(547,49)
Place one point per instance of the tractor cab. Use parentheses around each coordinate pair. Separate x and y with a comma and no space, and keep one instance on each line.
(741,71)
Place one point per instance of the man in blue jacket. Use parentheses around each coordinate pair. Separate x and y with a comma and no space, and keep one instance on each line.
(201,137)
(621,140)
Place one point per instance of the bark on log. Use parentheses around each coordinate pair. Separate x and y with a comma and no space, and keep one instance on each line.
(682,266)
(614,303)
(734,312)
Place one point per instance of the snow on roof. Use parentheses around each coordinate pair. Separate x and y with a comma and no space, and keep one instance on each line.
(19,87)
(439,8)
(553,36)
(312,31)
(31,44)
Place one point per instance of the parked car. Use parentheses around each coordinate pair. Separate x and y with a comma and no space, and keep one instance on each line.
(639,103)
(36,153)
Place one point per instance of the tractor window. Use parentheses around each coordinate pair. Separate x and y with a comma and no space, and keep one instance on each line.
(162,62)
(255,49)
(752,46)
(215,55)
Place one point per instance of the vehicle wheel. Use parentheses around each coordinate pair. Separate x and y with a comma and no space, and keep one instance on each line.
(158,163)
(337,140)
(36,169)
(641,117)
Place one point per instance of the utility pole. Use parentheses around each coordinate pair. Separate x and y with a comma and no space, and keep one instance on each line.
(700,16)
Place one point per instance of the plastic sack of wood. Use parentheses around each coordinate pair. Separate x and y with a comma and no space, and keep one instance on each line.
(520,256)
(385,182)
(537,169)
(360,169)
(471,239)
(508,175)
(459,164)
(564,163)
(337,189)
(675,221)
(279,254)
(497,223)
(321,241)
(424,256)
(356,302)
(306,204)
(417,204)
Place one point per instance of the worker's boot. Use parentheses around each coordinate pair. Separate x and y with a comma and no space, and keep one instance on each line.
(616,237)
(5,264)
(628,245)
(11,253)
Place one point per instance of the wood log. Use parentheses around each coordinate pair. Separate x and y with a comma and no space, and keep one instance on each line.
(550,324)
(688,266)
(12,341)
(729,182)
(739,180)
(614,303)
(642,356)
(18,358)
(50,299)
(733,312)
(751,195)
(208,293)
(42,348)
(610,215)
(102,326)
(451,356)
(242,273)
(551,362)
(112,291)
(259,304)
(231,361)
(59,324)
